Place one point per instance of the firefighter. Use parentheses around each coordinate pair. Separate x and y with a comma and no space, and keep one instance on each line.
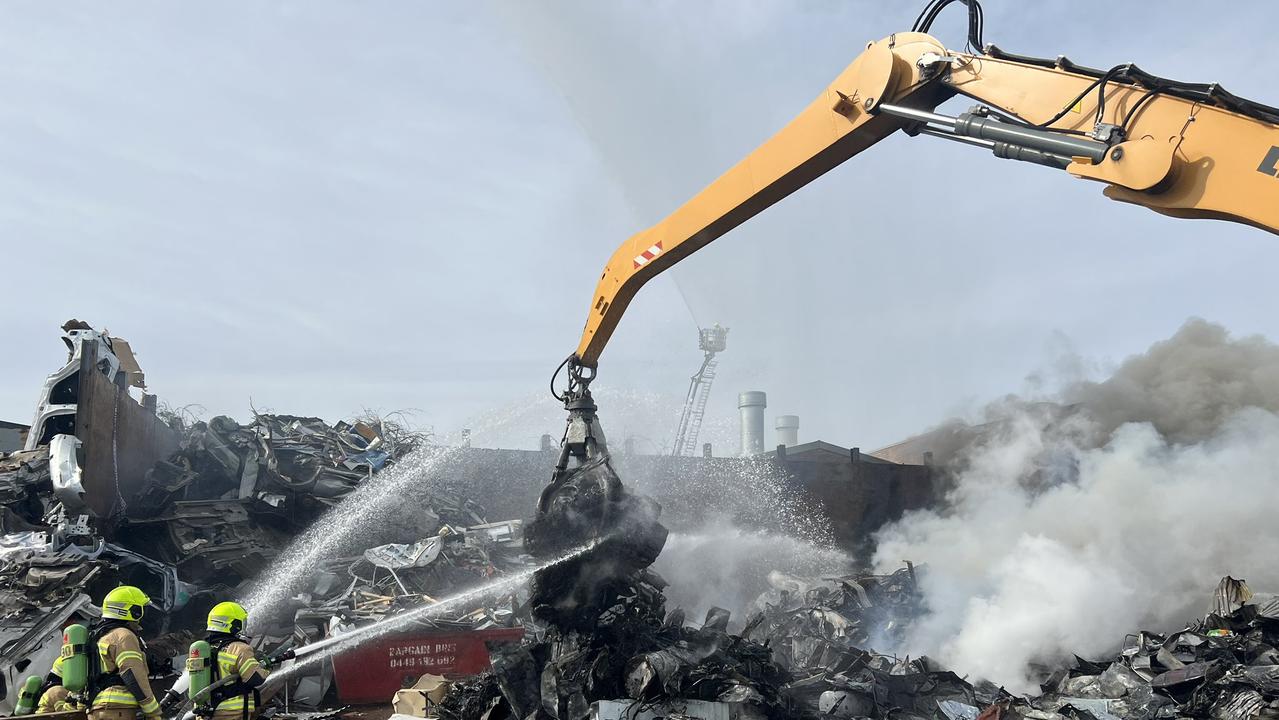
(238,699)
(54,697)
(117,678)
(114,678)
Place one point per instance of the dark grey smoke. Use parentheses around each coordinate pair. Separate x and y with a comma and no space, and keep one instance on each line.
(1187,386)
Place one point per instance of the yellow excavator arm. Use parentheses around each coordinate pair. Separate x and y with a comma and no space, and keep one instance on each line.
(1182,149)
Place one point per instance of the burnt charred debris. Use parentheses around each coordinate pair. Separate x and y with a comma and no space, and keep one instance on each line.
(606,635)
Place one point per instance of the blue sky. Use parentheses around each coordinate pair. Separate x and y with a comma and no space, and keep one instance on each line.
(320,207)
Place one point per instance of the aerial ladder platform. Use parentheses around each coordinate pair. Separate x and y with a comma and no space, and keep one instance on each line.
(711,341)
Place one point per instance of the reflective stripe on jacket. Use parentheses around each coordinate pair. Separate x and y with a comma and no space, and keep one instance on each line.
(120,650)
(54,700)
(236,659)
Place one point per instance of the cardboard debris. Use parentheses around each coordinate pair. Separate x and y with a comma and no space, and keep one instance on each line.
(128,363)
(424,695)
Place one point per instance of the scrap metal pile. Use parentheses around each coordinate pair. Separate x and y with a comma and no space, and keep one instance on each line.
(806,652)
(388,579)
(609,638)
(598,635)
(1225,666)
(803,619)
(24,485)
(292,467)
(342,594)
(223,506)
(232,496)
(822,631)
(606,632)
(191,540)
(207,519)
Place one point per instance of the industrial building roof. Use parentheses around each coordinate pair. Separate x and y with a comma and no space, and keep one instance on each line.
(819,451)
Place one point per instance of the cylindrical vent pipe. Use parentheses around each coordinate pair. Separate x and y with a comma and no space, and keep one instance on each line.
(751,405)
(787,430)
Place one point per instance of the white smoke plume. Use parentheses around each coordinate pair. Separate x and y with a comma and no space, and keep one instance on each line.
(724,565)
(1072,524)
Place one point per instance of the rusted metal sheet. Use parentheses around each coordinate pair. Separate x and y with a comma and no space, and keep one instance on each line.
(122,439)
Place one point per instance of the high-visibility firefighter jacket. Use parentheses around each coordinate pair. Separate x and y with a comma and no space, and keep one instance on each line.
(236,659)
(120,650)
(54,700)
(54,697)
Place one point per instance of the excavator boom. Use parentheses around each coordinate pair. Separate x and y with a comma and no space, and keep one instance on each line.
(1189,151)
(1182,149)
(840,123)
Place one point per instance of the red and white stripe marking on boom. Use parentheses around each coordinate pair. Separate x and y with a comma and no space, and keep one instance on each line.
(653,251)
